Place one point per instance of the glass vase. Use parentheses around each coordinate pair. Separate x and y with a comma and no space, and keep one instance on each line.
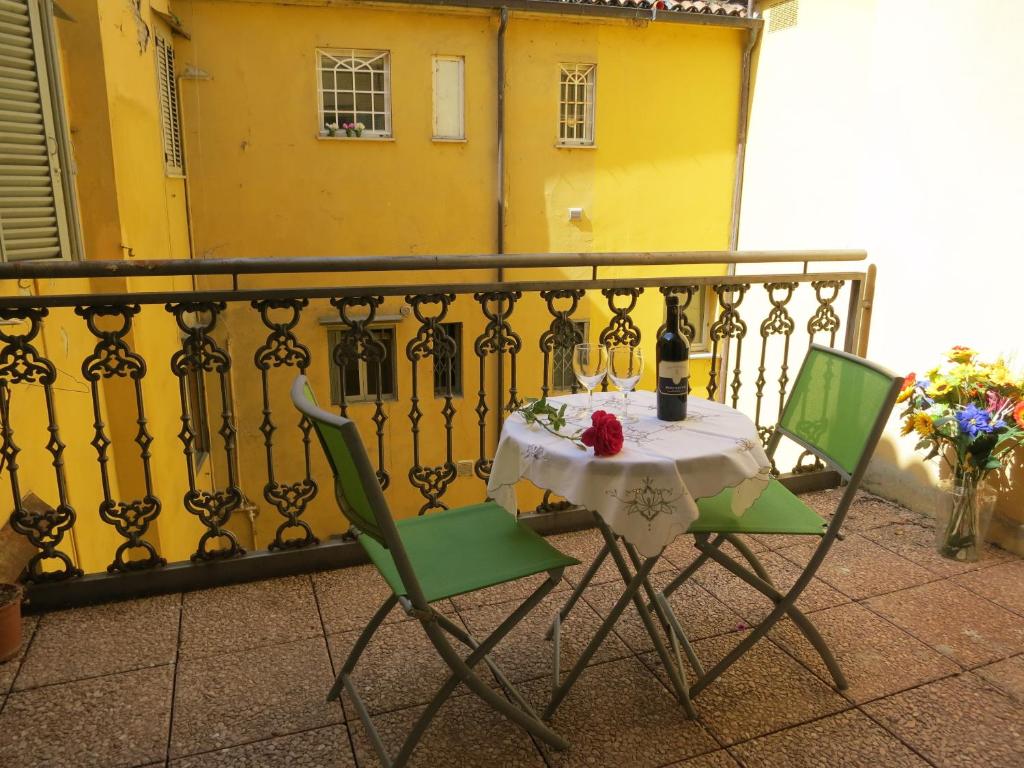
(965,510)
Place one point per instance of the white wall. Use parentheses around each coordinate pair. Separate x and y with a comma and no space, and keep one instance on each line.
(898,127)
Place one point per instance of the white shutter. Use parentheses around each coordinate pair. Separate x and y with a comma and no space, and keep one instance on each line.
(33,222)
(448,97)
(170,119)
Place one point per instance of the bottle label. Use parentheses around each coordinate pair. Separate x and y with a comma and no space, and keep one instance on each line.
(677,371)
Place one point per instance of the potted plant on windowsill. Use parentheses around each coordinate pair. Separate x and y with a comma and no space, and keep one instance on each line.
(15,553)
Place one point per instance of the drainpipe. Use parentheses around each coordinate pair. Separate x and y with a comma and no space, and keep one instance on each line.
(502,26)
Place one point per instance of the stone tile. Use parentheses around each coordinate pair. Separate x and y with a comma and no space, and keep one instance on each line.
(517,590)
(241,616)
(699,612)
(1007,676)
(100,640)
(859,568)
(348,597)
(868,512)
(9,669)
(719,759)
(917,544)
(959,721)
(106,722)
(619,714)
(764,691)
(221,701)
(877,658)
(465,733)
(524,654)
(682,552)
(400,667)
(957,623)
(754,606)
(584,546)
(847,739)
(1002,584)
(321,748)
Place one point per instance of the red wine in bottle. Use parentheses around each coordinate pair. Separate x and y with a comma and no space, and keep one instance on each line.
(673,356)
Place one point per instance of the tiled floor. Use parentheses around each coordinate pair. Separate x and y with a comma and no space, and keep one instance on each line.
(236,676)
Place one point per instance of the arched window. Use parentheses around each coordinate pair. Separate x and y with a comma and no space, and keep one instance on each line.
(576,104)
(355,87)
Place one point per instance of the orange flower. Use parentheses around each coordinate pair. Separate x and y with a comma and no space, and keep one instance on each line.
(1018,414)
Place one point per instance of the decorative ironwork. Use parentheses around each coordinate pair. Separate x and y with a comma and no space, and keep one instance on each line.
(729,325)
(621,330)
(282,349)
(685,294)
(562,334)
(21,363)
(113,358)
(433,343)
(778,323)
(200,355)
(500,340)
(357,343)
(825,319)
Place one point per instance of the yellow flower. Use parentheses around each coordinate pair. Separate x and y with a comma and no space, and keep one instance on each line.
(961,354)
(923,424)
(939,388)
(904,394)
(1000,375)
(908,426)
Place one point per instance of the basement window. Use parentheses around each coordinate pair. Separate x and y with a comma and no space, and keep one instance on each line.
(355,89)
(577,83)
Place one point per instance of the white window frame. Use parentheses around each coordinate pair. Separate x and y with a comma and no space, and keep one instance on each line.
(460,134)
(170,108)
(577,92)
(365,394)
(353,61)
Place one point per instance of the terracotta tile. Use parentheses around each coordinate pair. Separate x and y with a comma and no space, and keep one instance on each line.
(1002,584)
(859,568)
(321,748)
(400,667)
(619,714)
(877,658)
(1007,676)
(719,759)
(957,623)
(584,546)
(959,721)
(524,654)
(465,733)
(111,721)
(699,612)
(847,739)
(348,597)
(225,619)
(764,691)
(221,701)
(9,669)
(102,639)
(917,544)
(868,512)
(517,590)
(754,606)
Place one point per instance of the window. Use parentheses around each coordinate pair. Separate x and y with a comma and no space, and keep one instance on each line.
(170,116)
(449,98)
(576,105)
(36,199)
(360,376)
(445,367)
(355,87)
(562,375)
(195,408)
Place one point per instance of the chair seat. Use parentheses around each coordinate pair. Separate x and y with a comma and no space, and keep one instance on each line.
(465,549)
(775,511)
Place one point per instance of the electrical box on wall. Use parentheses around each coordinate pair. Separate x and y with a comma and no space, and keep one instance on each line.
(575,214)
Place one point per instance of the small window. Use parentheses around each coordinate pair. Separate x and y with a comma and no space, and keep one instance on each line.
(449,368)
(195,409)
(576,105)
(361,377)
(170,115)
(449,98)
(562,375)
(355,89)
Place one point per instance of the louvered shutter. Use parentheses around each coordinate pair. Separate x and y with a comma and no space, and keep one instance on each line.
(170,120)
(33,221)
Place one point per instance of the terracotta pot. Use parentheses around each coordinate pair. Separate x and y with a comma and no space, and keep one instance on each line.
(10,621)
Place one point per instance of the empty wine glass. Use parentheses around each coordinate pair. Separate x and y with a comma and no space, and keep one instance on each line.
(625,364)
(590,364)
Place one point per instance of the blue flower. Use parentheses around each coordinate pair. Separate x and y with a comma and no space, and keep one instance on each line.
(974,421)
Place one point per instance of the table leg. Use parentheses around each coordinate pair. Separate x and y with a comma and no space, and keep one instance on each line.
(563,612)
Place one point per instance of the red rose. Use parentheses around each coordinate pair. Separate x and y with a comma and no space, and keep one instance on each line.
(605,436)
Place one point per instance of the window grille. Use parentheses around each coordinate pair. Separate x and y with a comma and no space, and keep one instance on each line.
(576,104)
(563,377)
(170,115)
(449,367)
(360,377)
(355,87)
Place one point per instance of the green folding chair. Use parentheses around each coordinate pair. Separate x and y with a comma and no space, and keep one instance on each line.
(426,559)
(837,410)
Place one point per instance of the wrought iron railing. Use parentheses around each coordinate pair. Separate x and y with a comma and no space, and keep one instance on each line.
(232,343)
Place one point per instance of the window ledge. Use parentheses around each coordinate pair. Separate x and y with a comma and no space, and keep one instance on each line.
(443,140)
(559,145)
(704,356)
(323,137)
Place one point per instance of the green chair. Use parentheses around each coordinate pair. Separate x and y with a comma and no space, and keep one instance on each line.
(837,410)
(426,559)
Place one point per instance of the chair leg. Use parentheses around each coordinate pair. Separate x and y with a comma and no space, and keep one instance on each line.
(692,568)
(360,645)
(749,556)
(563,612)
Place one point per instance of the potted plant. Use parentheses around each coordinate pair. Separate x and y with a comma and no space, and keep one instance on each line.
(970,414)
(10,621)
(15,553)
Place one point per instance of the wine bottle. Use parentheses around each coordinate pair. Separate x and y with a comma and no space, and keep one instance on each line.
(673,356)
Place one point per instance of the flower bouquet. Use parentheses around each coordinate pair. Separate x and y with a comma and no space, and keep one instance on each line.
(971,415)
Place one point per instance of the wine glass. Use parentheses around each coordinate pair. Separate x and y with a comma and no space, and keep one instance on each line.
(625,364)
(590,363)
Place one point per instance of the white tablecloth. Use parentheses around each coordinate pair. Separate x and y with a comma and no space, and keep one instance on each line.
(646,493)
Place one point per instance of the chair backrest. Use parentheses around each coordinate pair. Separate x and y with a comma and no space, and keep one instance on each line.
(838,407)
(355,481)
